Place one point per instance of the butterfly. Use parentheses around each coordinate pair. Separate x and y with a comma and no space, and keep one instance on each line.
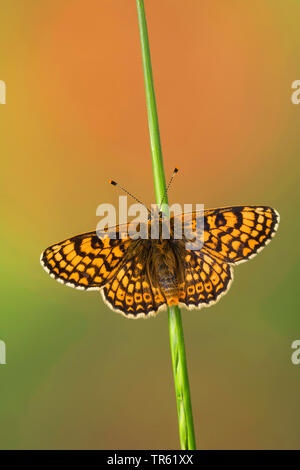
(138,277)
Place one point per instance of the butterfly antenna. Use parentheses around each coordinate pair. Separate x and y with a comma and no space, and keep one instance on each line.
(114,183)
(176,169)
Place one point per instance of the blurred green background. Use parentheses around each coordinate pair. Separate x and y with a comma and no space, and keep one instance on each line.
(79,375)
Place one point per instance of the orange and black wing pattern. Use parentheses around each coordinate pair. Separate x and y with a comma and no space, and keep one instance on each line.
(206,279)
(232,235)
(120,266)
(85,261)
(90,262)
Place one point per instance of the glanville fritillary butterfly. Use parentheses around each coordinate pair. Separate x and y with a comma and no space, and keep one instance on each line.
(138,277)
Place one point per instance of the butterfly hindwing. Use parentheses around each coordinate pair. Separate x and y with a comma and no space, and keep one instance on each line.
(85,261)
(234,234)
